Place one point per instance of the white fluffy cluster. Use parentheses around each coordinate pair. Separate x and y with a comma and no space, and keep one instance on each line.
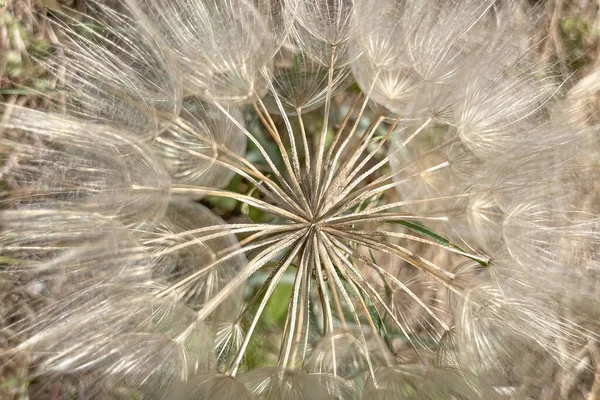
(439,240)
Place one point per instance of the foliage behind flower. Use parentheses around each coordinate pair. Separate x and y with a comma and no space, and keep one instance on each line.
(434,234)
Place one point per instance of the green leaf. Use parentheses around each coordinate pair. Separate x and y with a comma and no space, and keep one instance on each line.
(388,289)
(255,214)
(429,234)
(16,386)
(377,320)
(10,383)
(8,261)
(19,91)
(277,306)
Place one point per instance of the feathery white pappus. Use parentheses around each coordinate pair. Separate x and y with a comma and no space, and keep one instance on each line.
(434,234)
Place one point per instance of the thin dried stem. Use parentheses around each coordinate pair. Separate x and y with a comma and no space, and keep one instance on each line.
(207,191)
(284,264)
(321,145)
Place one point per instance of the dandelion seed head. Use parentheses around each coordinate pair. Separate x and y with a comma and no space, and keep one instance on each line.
(192,161)
(419,382)
(64,164)
(419,245)
(266,383)
(207,386)
(221,47)
(118,72)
